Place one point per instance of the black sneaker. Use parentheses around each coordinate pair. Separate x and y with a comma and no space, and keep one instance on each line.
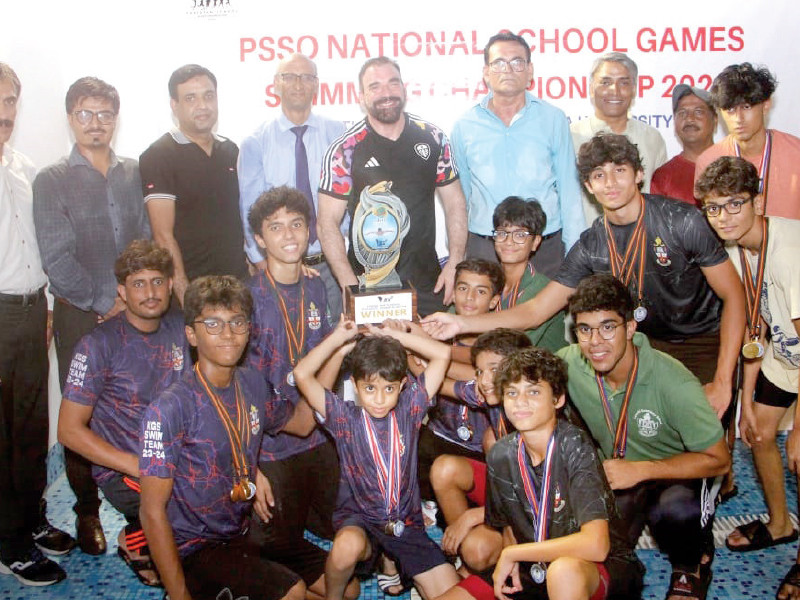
(34,569)
(52,540)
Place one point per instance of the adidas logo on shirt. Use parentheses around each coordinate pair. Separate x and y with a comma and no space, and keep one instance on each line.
(372,162)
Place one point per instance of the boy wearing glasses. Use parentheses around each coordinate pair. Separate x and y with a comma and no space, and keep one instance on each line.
(289,319)
(765,252)
(198,451)
(660,442)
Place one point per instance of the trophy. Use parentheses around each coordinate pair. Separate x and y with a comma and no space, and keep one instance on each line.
(380,223)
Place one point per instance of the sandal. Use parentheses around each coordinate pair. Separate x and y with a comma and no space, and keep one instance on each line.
(137,565)
(792,578)
(689,585)
(758,537)
(389,581)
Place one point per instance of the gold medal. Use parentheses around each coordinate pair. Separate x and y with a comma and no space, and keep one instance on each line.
(753,349)
(243,491)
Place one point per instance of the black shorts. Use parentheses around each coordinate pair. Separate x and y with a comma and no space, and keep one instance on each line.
(769,394)
(122,492)
(237,567)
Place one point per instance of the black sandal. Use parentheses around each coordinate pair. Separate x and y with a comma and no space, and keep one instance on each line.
(689,585)
(137,565)
(792,578)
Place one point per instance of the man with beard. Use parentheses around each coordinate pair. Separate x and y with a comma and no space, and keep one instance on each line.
(87,208)
(190,185)
(695,123)
(116,371)
(414,155)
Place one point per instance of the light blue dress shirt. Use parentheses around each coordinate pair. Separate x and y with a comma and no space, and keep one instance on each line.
(531,158)
(266,160)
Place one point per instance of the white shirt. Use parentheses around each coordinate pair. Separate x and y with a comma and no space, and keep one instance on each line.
(20,265)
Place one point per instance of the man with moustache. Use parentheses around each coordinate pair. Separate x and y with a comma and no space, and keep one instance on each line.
(273,156)
(23,367)
(116,370)
(695,123)
(392,145)
(87,208)
(614,78)
(743,95)
(190,185)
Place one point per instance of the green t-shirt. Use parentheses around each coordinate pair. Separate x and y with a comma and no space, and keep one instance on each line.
(549,334)
(668,412)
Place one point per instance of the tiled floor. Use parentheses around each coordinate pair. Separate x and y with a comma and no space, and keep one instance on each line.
(736,576)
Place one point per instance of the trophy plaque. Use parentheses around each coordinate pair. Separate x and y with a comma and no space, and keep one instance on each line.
(380,223)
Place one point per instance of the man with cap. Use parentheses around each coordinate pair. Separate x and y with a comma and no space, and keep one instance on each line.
(695,123)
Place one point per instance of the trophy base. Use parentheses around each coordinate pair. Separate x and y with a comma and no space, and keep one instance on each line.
(373,306)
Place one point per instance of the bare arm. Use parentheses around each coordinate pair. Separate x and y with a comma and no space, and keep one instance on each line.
(726,284)
(455,211)
(330,214)
(715,460)
(161,212)
(75,434)
(528,315)
(153,514)
(748,427)
(302,422)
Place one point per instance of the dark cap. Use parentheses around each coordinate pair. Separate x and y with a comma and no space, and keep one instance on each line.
(682,89)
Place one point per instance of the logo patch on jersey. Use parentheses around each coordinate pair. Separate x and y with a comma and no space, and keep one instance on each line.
(177,358)
(558,501)
(313,318)
(423,150)
(254,421)
(648,422)
(372,162)
(77,370)
(662,256)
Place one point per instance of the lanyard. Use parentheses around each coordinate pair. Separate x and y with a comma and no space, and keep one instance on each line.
(753,285)
(622,268)
(621,434)
(763,170)
(388,471)
(539,503)
(295,331)
(510,300)
(236,433)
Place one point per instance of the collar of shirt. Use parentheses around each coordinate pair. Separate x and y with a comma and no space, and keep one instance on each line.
(77,159)
(181,138)
(284,124)
(530,99)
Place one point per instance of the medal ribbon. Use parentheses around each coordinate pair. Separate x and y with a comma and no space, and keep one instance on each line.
(539,503)
(753,285)
(622,268)
(235,433)
(465,415)
(388,474)
(295,332)
(621,433)
(510,300)
(763,169)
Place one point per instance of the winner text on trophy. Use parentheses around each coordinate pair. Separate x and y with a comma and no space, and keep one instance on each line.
(380,223)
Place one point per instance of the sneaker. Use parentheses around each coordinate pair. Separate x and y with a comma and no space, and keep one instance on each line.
(52,540)
(34,569)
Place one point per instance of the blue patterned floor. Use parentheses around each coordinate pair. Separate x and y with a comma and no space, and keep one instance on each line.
(736,576)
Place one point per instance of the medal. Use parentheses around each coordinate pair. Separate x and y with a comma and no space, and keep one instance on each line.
(464,433)
(621,430)
(753,349)
(290,378)
(538,572)
(753,286)
(243,491)
(639,313)
(295,331)
(395,528)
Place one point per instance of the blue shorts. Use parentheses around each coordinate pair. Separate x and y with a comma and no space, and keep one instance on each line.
(413,552)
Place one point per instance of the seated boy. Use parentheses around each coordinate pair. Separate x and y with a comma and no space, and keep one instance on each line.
(518,226)
(562,534)
(454,428)
(378,508)
(198,452)
(459,481)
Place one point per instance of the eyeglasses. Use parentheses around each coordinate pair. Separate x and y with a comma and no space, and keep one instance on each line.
(104,117)
(501,65)
(291,78)
(732,207)
(606,330)
(238,326)
(520,236)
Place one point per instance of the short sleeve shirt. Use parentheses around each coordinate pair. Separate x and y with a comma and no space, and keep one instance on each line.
(182,438)
(268,350)
(118,370)
(549,334)
(345,422)
(467,392)
(679,242)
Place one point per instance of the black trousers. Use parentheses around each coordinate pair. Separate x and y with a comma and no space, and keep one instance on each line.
(23,421)
(70,324)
